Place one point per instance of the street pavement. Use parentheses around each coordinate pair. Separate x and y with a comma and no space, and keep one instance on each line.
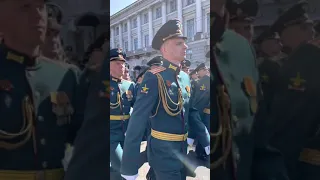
(203,173)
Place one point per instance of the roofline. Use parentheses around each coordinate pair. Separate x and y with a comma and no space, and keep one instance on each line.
(125,9)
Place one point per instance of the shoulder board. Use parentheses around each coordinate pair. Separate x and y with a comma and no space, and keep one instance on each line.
(158,69)
(315,42)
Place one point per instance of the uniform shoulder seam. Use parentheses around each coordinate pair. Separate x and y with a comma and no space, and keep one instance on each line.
(157,70)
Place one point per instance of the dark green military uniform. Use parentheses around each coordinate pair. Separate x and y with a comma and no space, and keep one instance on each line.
(90,160)
(169,117)
(40,114)
(294,121)
(193,81)
(201,101)
(121,100)
(269,68)
(237,154)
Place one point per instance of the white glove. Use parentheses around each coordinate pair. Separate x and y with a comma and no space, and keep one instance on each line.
(67,156)
(190,141)
(130,177)
(207,149)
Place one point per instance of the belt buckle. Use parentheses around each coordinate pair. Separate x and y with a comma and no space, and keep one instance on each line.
(40,175)
(185,136)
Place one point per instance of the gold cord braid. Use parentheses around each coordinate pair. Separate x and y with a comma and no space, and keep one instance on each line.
(117,104)
(224,134)
(164,96)
(26,129)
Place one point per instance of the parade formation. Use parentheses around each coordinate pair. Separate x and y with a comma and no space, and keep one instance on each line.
(252,115)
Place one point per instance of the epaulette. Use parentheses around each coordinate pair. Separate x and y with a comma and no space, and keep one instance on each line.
(315,42)
(157,69)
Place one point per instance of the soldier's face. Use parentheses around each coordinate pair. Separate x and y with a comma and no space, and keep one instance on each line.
(202,72)
(271,47)
(186,70)
(23,21)
(176,48)
(194,76)
(117,68)
(52,43)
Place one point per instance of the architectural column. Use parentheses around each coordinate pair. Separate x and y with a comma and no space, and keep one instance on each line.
(164,11)
(198,16)
(139,31)
(150,26)
(120,35)
(129,34)
(111,38)
(179,9)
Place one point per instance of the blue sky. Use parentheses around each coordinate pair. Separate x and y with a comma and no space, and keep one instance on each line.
(117,5)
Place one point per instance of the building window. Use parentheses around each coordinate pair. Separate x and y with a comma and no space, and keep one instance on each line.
(135,43)
(145,18)
(125,27)
(208,23)
(146,40)
(173,5)
(189,2)
(158,12)
(117,31)
(134,23)
(126,46)
(189,54)
(190,28)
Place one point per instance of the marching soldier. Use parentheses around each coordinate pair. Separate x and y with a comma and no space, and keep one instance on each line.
(271,60)
(242,16)
(89,159)
(185,66)
(166,143)
(39,99)
(121,100)
(295,128)
(201,101)
(236,154)
(298,98)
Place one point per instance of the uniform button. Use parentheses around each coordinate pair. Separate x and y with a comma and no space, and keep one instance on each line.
(40,118)
(44,164)
(43,141)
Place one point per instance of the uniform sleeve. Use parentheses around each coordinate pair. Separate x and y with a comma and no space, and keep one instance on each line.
(90,156)
(196,126)
(78,102)
(142,110)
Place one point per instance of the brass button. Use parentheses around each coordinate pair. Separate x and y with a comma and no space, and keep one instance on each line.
(43,141)
(44,164)
(40,118)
